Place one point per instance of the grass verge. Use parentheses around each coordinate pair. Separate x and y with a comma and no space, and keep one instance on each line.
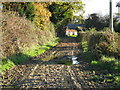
(109,63)
(72,35)
(26,55)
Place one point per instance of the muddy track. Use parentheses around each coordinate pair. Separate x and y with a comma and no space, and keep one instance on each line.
(42,71)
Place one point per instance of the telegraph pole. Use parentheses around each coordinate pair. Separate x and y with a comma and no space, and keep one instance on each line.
(111,17)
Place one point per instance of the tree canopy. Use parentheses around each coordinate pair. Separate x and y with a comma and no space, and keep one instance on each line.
(63,13)
(99,22)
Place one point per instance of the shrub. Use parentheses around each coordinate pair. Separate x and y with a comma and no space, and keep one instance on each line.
(18,34)
(106,43)
(23,8)
(109,63)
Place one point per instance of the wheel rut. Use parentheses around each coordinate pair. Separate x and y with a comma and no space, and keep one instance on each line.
(42,71)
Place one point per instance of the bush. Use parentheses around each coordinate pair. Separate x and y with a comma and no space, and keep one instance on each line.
(21,34)
(109,63)
(23,8)
(106,43)
(18,34)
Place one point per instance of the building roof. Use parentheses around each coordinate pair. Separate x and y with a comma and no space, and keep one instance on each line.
(74,26)
(118,4)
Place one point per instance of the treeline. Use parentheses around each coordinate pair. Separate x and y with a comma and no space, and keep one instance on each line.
(100,22)
(42,13)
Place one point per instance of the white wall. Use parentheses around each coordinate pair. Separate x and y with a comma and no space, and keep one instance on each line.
(75,33)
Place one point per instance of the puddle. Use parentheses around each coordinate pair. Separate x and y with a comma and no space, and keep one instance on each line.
(60,59)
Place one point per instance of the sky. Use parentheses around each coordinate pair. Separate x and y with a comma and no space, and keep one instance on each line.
(99,6)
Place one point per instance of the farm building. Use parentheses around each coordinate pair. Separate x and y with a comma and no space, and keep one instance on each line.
(72,29)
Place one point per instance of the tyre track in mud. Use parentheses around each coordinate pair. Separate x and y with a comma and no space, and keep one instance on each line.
(42,71)
(64,48)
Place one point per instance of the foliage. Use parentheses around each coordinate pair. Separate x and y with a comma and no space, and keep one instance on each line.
(101,49)
(109,78)
(63,13)
(94,62)
(87,55)
(42,16)
(106,42)
(93,21)
(25,55)
(85,46)
(99,22)
(18,34)
(117,27)
(109,44)
(22,39)
(108,63)
(6,64)
(93,29)
(78,19)
(23,8)
(106,29)
(36,12)
(97,78)
(37,50)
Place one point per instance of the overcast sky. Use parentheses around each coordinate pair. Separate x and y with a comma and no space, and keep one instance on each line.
(99,6)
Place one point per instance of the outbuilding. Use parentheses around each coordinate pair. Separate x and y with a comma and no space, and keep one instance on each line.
(72,29)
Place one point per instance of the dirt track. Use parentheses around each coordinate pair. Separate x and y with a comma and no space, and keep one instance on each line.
(43,72)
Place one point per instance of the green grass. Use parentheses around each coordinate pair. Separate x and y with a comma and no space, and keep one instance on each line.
(72,35)
(26,55)
(40,49)
(85,46)
(87,55)
(6,64)
(104,62)
(109,63)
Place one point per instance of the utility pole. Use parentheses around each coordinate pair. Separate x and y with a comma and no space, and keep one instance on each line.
(111,17)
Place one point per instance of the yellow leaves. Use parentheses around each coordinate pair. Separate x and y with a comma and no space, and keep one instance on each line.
(42,14)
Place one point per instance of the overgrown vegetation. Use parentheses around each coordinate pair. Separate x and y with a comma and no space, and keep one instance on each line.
(100,22)
(26,55)
(102,50)
(108,78)
(23,39)
(28,27)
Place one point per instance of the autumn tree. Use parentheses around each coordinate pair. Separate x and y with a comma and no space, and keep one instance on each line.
(42,15)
